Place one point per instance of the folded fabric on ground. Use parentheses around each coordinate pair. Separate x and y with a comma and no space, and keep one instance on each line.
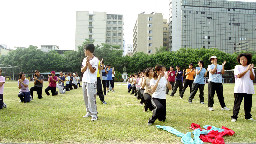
(208,133)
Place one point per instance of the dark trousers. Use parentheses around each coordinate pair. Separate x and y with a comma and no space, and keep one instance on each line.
(67,87)
(178,84)
(247,105)
(70,85)
(1,101)
(148,102)
(53,91)
(75,86)
(112,82)
(218,87)
(167,89)
(140,95)
(78,85)
(24,96)
(186,84)
(133,89)
(99,89)
(38,90)
(104,83)
(195,87)
(159,111)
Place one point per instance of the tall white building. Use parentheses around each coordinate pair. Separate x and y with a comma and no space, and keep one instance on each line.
(99,27)
(227,25)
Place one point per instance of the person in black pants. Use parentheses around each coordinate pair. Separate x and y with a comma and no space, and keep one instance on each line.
(99,85)
(158,86)
(215,83)
(178,83)
(52,84)
(38,85)
(190,73)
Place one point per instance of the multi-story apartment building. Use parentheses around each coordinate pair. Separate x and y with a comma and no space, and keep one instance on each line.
(227,25)
(149,33)
(99,27)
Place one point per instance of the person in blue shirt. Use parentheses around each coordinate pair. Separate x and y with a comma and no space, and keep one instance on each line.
(198,83)
(178,83)
(215,83)
(109,73)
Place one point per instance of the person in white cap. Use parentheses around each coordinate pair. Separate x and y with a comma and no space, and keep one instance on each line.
(215,83)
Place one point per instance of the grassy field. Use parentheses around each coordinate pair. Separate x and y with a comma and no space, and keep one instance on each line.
(59,119)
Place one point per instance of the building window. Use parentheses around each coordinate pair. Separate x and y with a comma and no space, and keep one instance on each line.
(150,18)
(209,42)
(150,25)
(209,37)
(108,28)
(114,28)
(196,12)
(114,22)
(150,38)
(120,28)
(119,40)
(108,22)
(150,31)
(165,39)
(108,34)
(202,12)
(119,34)
(229,38)
(228,9)
(114,34)
(203,46)
(120,17)
(165,33)
(165,28)
(150,44)
(149,51)
(120,22)
(90,30)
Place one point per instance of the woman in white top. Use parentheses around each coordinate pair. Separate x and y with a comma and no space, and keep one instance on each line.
(244,76)
(158,87)
(147,92)
(24,93)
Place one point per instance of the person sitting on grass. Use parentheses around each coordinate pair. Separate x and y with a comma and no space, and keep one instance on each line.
(52,84)
(24,93)
(244,89)
(2,81)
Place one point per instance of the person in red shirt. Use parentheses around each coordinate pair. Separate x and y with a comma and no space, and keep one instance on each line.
(52,84)
(171,78)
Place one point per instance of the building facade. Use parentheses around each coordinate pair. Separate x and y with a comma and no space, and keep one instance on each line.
(149,33)
(99,27)
(229,26)
(48,48)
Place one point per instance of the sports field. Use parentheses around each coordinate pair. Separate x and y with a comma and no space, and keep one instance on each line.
(59,119)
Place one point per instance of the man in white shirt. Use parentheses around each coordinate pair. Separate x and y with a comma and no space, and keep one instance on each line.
(89,70)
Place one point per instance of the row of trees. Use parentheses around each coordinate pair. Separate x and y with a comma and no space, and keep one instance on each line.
(31,58)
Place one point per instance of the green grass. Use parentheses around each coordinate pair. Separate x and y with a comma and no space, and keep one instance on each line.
(59,119)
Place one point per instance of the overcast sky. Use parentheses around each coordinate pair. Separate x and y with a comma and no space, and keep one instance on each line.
(43,22)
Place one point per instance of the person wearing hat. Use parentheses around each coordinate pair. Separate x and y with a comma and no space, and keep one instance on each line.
(52,84)
(38,85)
(215,83)
(190,73)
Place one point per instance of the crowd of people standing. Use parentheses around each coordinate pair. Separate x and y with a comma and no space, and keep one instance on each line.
(153,84)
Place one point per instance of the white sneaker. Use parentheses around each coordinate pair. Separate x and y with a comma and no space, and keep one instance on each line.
(201,102)
(94,118)
(211,109)
(87,115)
(225,108)
(233,120)
(250,119)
